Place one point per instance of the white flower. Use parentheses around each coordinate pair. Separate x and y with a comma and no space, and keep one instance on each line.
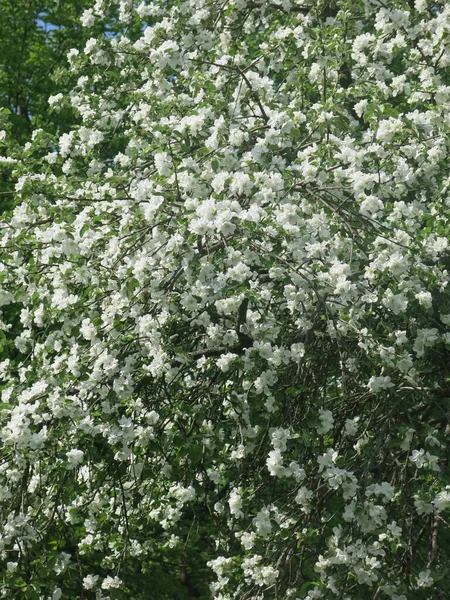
(62,561)
(219,565)
(424,579)
(424,299)
(421,5)
(54,100)
(237,137)
(241,184)
(214,475)
(89,581)
(406,443)
(394,529)
(87,329)
(162,163)
(51,157)
(218,183)
(432,441)
(274,463)
(279,438)
(326,421)
(351,426)
(422,507)
(371,205)
(72,53)
(225,361)
(296,471)
(268,576)
(360,107)
(90,45)
(327,459)
(297,351)
(401,337)
(110,583)
(262,522)
(87,18)
(442,500)
(303,496)
(377,384)
(235,503)
(445,319)
(314,594)
(218,508)
(182,494)
(75,457)
(397,303)
(432,462)
(418,458)
(425,338)
(385,489)
(247,540)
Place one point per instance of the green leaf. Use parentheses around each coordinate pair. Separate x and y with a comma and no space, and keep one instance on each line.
(195,453)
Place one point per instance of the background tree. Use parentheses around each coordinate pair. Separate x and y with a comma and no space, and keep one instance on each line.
(35,36)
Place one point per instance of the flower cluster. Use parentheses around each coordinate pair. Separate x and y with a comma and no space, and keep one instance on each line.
(225,298)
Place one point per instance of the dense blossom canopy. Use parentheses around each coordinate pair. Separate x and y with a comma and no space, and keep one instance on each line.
(225,298)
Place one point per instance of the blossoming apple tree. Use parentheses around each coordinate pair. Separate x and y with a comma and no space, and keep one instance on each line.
(225,305)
